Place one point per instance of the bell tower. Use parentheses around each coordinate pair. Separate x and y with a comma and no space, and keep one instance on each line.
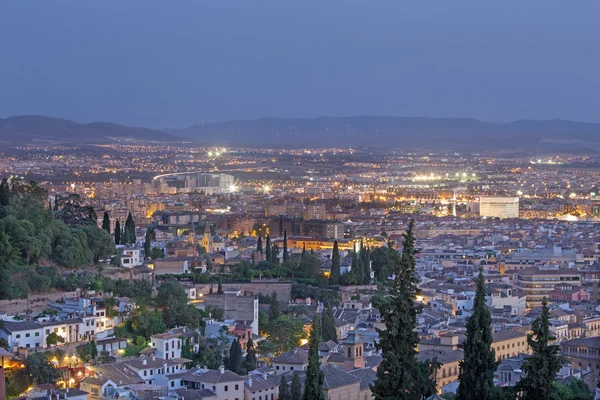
(207,239)
(353,348)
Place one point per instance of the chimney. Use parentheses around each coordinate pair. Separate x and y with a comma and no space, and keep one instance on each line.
(250,382)
(144,362)
(153,357)
(99,375)
(222,369)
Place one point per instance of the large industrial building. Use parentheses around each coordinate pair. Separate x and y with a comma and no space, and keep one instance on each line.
(187,182)
(499,207)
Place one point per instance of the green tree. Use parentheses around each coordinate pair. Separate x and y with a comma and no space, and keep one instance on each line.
(313,385)
(268,248)
(148,241)
(401,375)
(53,339)
(250,363)
(303,251)
(296,388)
(106,222)
(4,193)
(284,389)
(328,331)
(380,258)
(37,370)
(286,255)
(87,351)
(274,307)
(335,264)
(117,232)
(156,253)
(174,303)
(209,359)
(477,368)
(220,285)
(259,246)
(234,362)
(129,230)
(544,363)
(146,323)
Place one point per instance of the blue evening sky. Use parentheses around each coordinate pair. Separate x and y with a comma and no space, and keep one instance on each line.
(180,62)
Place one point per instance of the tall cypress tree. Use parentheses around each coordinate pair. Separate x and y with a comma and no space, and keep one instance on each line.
(275,253)
(335,264)
(477,368)
(117,232)
(250,355)
(235,357)
(286,256)
(313,385)
(401,375)
(129,230)
(545,362)
(106,222)
(220,285)
(296,388)
(259,245)
(303,251)
(148,241)
(328,331)
(366,265)
(268,248)
(356,269)
(284,389)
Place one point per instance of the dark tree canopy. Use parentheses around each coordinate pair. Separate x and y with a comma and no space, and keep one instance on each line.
(401,375)
(313,385)
(479,363)
(335,264)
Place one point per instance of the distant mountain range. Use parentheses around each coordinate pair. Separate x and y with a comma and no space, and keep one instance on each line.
(408,133)
(399,132)
(28,129)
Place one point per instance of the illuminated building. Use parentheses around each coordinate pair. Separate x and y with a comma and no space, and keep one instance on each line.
(499,207)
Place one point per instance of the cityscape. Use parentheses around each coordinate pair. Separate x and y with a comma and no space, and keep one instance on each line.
(162,239)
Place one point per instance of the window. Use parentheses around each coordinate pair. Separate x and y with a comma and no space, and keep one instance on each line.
(276,367)
(172,383)
(27,335)
(151,372)
(237,387)
(37,334)
(226,388)
(28,345)
(145,372)
(18,336)
(291,368)
(37,345)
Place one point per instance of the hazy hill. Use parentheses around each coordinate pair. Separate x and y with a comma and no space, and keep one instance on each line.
(402,132)
(27,129)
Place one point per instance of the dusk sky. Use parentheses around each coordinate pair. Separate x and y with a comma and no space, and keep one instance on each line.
(176,63)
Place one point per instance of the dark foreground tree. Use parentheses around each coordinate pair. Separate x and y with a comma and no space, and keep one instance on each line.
(477,368)
(335,264)
(259,245)
(117,232)
(250,362)
(129,230)
(545,362)
(401,375)
(286,255)
(313,385)
(106,222)
(235,357)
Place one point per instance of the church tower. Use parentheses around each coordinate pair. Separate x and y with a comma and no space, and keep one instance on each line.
(353,348)
(207,239)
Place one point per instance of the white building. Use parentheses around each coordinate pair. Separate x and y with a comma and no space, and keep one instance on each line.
(499,207)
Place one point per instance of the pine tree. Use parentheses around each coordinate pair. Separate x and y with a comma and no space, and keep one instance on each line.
(234,363)
(268,248)
(129,237)
(286,256)
(477,368)
(296,389)
(284,389)
(545,362)
(117,232)
(4,193)
(328,331)
(106,222)
(335,264)
(313,385)
(250,356)
(259,245)
(401,375)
